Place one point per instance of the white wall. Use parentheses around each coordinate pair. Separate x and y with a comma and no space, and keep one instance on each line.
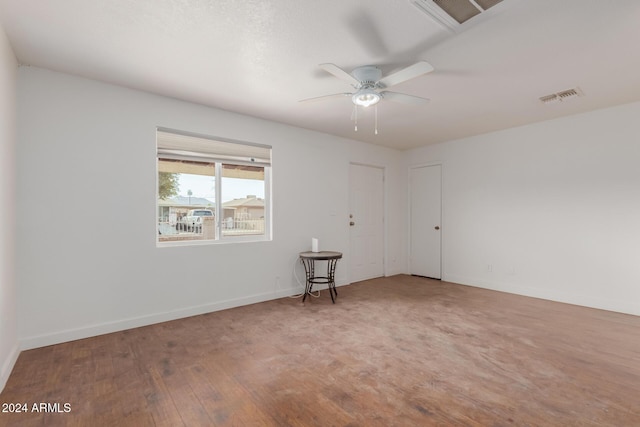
(8,331)
(87,261)
(553,208)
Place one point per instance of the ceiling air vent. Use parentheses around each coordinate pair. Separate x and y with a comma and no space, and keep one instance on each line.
(455,15)
(561,96)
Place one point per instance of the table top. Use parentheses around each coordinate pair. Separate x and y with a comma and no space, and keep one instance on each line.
(322,255)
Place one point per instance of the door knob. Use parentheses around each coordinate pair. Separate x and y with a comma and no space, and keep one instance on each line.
(351,223)
(437,227)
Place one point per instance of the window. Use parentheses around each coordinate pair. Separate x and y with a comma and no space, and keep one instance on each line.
(211,189)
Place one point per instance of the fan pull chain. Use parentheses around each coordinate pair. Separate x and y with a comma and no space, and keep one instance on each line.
(376,125)
(355,115)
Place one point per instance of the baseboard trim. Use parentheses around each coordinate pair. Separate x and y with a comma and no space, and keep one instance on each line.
(37,341)
(551,295)
(8,364)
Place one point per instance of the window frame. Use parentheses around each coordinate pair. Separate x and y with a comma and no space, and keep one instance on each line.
(220,237)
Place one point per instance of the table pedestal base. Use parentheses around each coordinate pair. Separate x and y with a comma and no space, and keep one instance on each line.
(308,259)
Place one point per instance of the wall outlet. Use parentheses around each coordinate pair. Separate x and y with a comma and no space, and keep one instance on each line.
(489,268)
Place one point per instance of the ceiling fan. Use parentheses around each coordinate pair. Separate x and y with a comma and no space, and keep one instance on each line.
(370,86)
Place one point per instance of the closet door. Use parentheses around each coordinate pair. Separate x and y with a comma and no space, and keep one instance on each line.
(425,216)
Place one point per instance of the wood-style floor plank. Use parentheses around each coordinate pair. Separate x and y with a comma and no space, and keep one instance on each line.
(398,351)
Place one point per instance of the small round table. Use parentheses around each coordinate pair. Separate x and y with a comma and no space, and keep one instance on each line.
(308,259)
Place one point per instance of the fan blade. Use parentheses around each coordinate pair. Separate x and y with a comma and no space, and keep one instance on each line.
(320,98)
(411,72)
(340,73)
(364,30)
(404,98)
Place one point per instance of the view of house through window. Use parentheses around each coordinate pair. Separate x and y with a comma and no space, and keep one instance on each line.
(242,200)
(211,190)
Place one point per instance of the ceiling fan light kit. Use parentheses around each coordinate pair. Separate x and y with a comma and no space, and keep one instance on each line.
(366,97)
(367,77)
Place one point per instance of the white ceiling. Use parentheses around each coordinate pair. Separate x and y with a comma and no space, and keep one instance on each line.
(260,57)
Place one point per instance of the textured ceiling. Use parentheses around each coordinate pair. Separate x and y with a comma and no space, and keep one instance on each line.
(260,57)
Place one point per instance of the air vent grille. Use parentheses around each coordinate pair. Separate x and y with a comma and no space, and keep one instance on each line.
(453,13)
(460,10)
(486,4)
(561,96)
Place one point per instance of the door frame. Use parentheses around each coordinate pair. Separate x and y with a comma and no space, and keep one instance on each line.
(385,214)
(442,225)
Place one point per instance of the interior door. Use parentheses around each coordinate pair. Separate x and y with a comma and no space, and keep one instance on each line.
(366,219)
(425,212)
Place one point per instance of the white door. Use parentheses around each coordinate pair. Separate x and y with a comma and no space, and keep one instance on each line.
(366,219)
(425,211)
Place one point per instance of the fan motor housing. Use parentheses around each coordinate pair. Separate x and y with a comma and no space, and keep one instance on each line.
(367,75)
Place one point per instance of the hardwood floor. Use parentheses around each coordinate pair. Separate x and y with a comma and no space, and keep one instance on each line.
(398,351)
